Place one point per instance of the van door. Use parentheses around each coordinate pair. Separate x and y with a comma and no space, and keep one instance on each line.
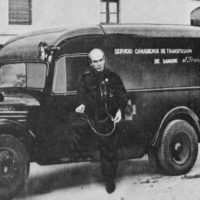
(70,63)
(62,102)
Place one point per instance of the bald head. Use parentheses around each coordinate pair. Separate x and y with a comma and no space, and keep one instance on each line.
(97,60)
(96,54)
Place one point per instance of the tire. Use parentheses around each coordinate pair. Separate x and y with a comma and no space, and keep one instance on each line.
(178,148)
(153,159)
(14,166)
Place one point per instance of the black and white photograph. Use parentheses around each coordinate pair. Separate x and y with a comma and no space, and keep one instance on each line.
(99,99)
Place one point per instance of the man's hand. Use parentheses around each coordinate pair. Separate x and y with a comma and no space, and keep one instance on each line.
(80,109)
(118,116)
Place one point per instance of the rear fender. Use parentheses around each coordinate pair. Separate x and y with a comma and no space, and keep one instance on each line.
(180,112)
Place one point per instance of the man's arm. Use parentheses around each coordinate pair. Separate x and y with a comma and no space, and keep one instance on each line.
(81,96)
(121,94)
(121,97)
(81,91)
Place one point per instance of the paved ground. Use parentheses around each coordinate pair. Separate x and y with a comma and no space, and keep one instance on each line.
(135,180)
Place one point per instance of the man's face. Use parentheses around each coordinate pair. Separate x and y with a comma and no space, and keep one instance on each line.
(97,61)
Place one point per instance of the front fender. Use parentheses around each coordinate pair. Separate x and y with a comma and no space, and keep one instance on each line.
(19,131)
(181,112)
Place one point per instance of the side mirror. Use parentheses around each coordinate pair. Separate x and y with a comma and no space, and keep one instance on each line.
(46,52)
(1,97)
(43,50)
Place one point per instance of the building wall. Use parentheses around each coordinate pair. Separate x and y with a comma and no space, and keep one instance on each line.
(65,12)
(155,11)
(56,13)
(53,13)
(49,14)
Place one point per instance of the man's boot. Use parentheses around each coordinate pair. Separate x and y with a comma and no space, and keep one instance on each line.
(110,185)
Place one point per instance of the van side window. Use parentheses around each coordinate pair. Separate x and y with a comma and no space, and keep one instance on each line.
(76,66)
(60,79)
(68,71)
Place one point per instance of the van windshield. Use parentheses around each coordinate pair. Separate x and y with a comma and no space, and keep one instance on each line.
(30,75)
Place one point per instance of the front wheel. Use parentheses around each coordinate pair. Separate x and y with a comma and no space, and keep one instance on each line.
(13,166)
(178,148)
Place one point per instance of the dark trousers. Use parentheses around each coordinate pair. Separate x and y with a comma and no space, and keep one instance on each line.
(108,157)
(83,138)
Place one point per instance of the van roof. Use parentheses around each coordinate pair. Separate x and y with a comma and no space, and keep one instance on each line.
(25,47)
(154,30)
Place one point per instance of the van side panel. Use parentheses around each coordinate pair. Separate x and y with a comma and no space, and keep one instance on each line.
(159,75)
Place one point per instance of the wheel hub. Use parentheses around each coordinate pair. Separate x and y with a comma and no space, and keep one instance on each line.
(8,167)
(180,148)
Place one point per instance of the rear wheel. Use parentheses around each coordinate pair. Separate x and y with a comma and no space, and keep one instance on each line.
(14,166)
(178,148)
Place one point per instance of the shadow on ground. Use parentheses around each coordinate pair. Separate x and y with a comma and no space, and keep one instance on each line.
(78,174)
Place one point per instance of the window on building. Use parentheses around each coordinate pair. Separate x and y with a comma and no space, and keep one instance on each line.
(109,11)
(20,12)
(195,17)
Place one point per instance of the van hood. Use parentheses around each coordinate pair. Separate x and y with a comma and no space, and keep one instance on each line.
(18,99)
(16,107)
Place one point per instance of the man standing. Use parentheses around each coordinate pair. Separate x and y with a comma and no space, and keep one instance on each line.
(101,92)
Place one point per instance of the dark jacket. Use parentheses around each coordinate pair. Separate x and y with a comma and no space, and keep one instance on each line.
(101,92)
